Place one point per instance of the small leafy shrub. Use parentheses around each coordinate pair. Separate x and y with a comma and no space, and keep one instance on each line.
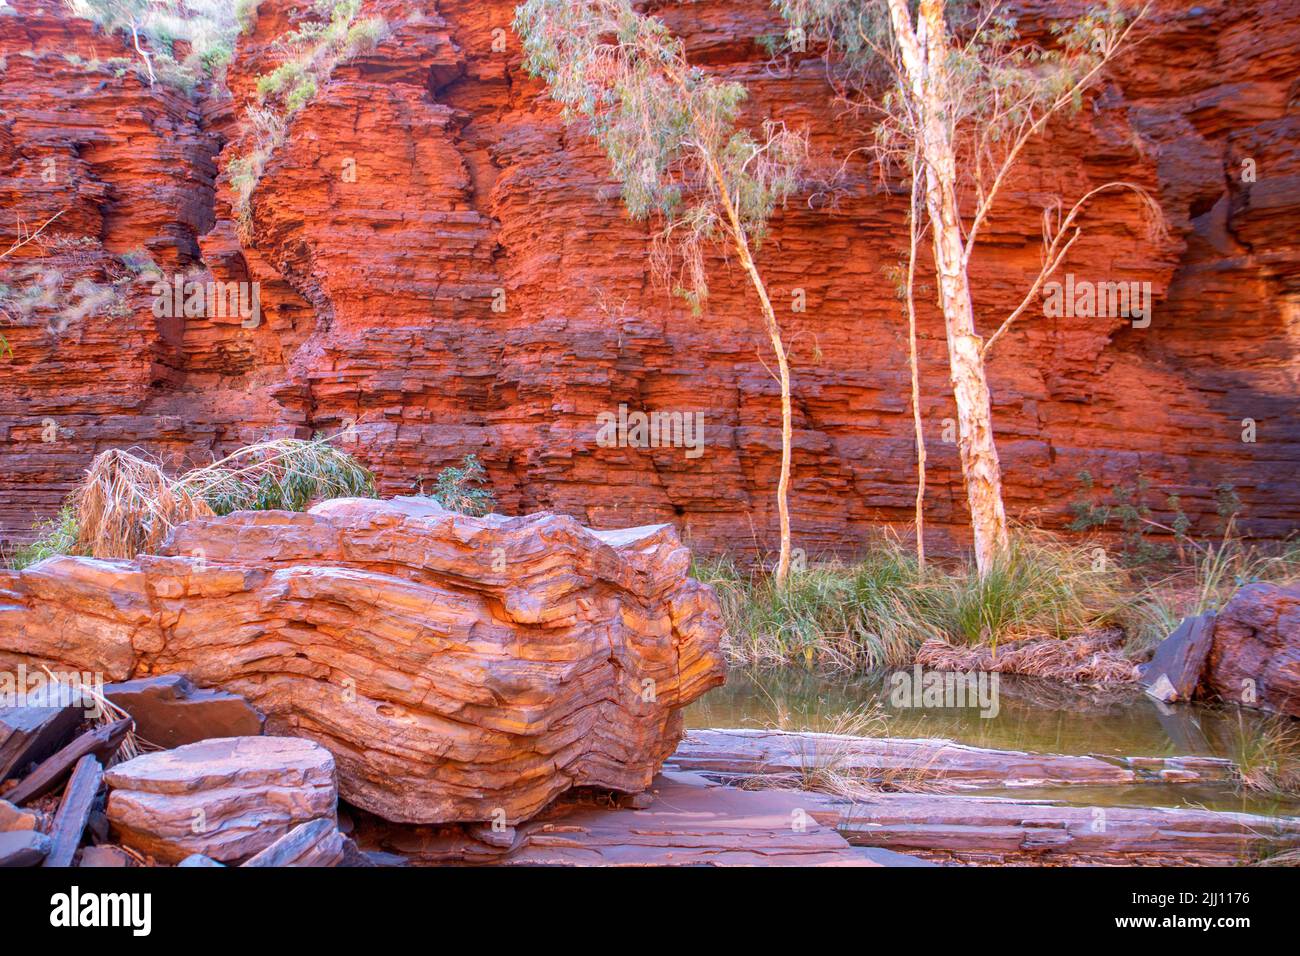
(462,489)
(55,536)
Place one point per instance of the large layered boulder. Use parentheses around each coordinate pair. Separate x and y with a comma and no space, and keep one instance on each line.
(458,668)
(1255,657)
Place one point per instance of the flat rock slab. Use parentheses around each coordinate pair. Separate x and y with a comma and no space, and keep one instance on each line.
(1004,830)
(227,798)
(459,668)
(30,734)
(318,843)
(689,821)
(101,742)
(169,711)
(734,756)
(74,811)
(23,848)
(1174,671)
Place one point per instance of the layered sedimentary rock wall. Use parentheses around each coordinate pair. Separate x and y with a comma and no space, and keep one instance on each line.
(446,266)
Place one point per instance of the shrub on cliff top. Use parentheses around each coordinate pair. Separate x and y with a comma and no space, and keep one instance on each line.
(310,54)
(152,26)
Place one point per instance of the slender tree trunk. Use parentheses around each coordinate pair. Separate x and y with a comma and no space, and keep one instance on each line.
(783,369)
(783,366)
(924,52)
(912,225)
(148,60)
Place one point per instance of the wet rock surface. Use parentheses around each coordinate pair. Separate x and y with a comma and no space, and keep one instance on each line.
(1174,671)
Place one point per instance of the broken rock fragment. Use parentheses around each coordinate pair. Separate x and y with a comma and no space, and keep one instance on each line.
(227,798)
(169,711)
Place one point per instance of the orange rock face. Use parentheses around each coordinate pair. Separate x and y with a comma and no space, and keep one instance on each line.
(459,669)
(444,264)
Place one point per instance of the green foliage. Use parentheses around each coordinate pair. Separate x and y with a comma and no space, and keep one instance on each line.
(283,77)
(668,129)
(208,26)
(461,489)
(877,612)
(55,536)
(139,263)
(246,14)
(1126,506)
(45,292)
(1001,84)
(311,52)
(1126,509)
(283,475)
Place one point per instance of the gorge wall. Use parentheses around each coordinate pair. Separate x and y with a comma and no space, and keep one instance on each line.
(432,179)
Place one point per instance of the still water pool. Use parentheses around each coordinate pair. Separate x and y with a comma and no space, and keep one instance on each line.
(1033,714)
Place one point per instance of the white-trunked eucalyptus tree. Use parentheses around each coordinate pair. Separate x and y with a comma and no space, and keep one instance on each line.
(672,136)
(959,94)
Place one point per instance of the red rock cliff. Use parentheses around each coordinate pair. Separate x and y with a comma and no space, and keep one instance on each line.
(378,289)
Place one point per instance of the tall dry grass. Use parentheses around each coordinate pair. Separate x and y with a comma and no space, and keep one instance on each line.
(127,505)
(1212,575)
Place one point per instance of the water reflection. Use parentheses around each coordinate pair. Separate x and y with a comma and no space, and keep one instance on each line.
(1033,714)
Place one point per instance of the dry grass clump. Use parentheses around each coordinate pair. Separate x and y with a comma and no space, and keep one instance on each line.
(824,760)
(1266,754)
(1214,574)
(127,505)
(287,474)
(1096,657)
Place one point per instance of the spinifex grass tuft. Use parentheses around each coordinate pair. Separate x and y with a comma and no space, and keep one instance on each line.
(1265,754)
(879,611)
(288,474)
(55,536)
(1215,573)
(126,505)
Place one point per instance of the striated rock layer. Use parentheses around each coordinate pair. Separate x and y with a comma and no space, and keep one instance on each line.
(431,179)
(459,669)
(1255,655)
(226,798)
